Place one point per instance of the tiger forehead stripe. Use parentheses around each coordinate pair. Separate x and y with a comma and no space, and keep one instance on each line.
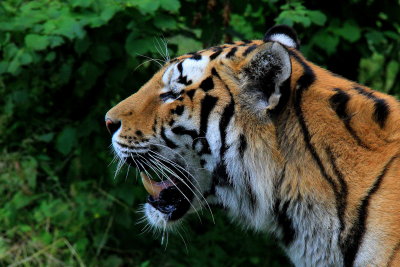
(190,67)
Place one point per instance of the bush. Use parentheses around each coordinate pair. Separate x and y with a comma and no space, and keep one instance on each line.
(63,64)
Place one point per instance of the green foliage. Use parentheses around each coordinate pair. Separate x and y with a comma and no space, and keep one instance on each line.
(63,64)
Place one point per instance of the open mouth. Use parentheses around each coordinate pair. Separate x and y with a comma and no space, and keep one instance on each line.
(173,195)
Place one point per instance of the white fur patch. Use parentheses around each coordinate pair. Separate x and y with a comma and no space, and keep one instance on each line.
(192,69)
(283,39)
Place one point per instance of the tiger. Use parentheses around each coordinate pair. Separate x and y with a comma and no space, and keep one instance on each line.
(284,146)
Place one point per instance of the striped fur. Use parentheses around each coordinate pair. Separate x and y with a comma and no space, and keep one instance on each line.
(284,145)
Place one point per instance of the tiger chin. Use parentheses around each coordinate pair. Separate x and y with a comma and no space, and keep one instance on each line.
(283,145)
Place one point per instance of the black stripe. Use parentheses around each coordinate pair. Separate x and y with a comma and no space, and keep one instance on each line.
(381,107)
(167,141)
(342,193)
(207,84)
(202,162)
(178,110)
(232,52)
(220,176)
(242,145)
(182,79)
(249,49)
(226,117)
(191,93)
(216,54)
(308,76)
(381,112)
(252,196)
(196,56)
(284,222)
(180,130)
(393,254)
(357,231)
(207,104)
(216,48)
(123,145)
(154,128)
(304,83)
(338,103)
(215,73)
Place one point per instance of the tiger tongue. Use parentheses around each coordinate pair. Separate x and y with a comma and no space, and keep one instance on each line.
(152,187)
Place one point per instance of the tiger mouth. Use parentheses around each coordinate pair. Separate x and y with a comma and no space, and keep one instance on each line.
(172,196)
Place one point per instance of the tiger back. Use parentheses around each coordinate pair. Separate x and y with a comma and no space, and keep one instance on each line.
(283,145)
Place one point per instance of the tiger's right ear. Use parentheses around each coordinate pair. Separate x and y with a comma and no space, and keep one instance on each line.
(265,78)
(283,34)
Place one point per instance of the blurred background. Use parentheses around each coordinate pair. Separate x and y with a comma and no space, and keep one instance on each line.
(64,63)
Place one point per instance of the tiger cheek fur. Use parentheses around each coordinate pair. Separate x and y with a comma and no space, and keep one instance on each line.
(284,145)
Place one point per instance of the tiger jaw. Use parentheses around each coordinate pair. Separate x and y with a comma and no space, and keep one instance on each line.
(171,198)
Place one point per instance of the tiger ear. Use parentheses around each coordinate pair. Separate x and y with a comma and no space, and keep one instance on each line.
(266,75)
(283,34)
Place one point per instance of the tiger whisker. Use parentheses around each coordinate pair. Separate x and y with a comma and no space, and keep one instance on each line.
(170,149)
(159,49)
(149,164)
(149,60)
(166,48)
(177,176)
(179,167)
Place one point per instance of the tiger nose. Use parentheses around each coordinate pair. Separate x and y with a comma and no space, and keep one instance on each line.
(112,126)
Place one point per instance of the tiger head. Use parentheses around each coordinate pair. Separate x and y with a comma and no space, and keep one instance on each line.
(204,124)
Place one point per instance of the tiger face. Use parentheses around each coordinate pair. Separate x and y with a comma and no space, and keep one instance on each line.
(183,125)
(282,144)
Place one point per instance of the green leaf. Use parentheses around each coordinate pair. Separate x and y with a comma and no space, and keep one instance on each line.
(165,22)
(10,51)
(50,56)
(109,12)
(25,58)
(170,5)
(36,42)
(3,66)
(392,71)
(81,45)
(185,44)
(113,261)
(375,37)
(29,167)
(20,200)
(55,41)
(69,27)
(135,46)
(349,32)
(66,140)
(45,137)
(81,3)
(326,41)
(317,17)
(146,6)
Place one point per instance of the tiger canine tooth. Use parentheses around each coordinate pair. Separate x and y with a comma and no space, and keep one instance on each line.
(152,187)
